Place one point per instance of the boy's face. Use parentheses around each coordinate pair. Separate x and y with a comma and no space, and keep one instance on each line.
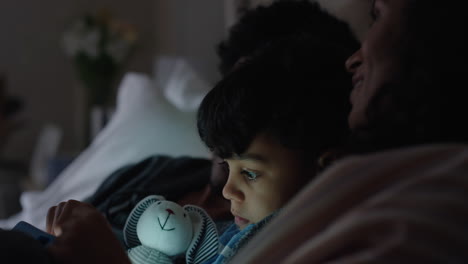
(263,179)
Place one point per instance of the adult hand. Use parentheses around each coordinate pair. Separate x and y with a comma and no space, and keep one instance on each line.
(83,235)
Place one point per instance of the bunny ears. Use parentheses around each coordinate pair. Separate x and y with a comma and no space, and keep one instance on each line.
(204,244)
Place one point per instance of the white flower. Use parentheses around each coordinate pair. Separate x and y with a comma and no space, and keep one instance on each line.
(118,49)
(89,43)
(85,37)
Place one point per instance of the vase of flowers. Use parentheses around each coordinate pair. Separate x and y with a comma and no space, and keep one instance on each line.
(99,45)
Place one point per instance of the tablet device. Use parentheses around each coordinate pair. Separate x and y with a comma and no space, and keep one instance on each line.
(43,237)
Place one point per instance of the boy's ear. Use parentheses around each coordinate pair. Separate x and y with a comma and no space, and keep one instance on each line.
(329,157)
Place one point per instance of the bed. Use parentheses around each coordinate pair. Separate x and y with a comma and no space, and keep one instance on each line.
(153,116)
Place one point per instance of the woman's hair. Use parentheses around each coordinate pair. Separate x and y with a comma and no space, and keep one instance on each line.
(294,90)
(264,24)
(428,102)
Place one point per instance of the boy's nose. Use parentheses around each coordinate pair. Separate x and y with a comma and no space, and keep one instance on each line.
(353,62)
(232,192)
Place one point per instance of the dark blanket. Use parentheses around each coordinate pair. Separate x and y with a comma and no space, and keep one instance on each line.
(159,175)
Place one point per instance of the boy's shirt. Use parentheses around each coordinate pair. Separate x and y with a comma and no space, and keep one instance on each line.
(232,240)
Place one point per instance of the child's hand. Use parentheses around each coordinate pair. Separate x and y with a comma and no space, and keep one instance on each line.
(83,235)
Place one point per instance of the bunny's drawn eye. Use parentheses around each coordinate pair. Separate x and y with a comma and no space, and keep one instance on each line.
(159,203)
(184,214)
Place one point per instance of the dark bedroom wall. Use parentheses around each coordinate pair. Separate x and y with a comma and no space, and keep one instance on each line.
(191,28)
(38,70)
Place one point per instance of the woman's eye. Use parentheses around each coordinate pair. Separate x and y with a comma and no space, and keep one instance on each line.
(250,175)
(374,13)
(375,17)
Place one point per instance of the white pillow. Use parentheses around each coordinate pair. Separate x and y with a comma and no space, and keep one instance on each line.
(180,83)
(144,124)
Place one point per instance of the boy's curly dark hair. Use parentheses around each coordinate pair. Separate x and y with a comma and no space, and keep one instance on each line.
(294,90)
(264,24)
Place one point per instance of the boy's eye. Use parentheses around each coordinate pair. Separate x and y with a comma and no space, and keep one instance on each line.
(250,175)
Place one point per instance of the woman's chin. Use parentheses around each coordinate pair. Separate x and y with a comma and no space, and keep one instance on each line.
(356,119)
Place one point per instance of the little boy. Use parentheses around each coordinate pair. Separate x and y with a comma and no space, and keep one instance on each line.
(271,120)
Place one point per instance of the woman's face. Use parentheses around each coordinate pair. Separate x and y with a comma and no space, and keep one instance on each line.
(380,59)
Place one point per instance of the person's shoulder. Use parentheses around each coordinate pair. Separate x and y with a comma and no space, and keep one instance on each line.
(395,166)
(415,156)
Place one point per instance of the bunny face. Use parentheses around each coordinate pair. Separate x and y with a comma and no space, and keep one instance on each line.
(165,226)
